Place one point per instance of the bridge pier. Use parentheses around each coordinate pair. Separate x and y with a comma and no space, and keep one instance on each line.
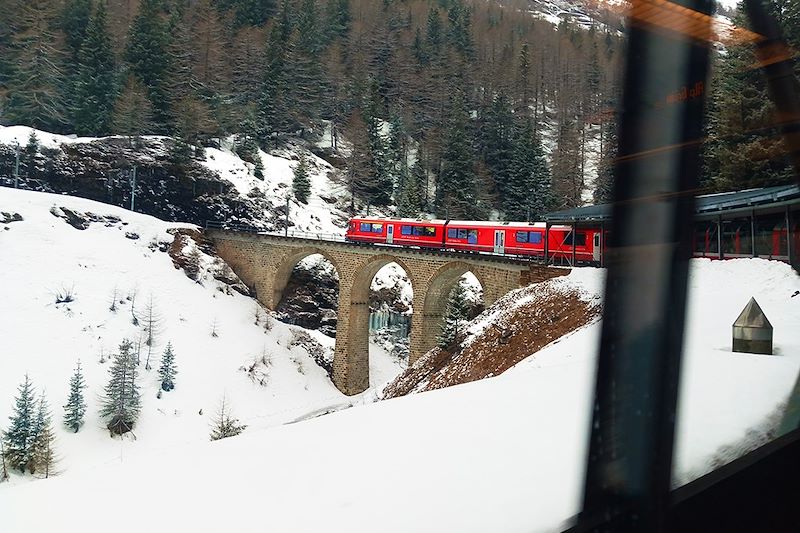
(265,262)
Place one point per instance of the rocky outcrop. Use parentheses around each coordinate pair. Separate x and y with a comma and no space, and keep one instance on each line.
(101,170)
(310,300)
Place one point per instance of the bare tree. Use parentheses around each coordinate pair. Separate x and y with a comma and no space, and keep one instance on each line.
(214,332)
(152,325)
(113,306)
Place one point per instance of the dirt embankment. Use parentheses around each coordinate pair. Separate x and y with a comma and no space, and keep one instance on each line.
(516,327)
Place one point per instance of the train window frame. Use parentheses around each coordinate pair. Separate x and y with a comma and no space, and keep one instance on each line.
(522,237)
(406,230)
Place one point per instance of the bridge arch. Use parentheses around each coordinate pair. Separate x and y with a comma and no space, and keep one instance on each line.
(435,300)
(353,353)
(284,269)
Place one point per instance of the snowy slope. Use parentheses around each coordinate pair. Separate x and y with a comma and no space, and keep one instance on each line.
(502,454)
(42,254)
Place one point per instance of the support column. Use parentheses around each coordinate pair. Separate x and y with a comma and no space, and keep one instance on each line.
(351,354)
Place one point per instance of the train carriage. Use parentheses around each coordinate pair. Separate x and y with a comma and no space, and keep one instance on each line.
(404,232)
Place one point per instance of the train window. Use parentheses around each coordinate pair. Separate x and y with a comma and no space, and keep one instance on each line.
(377,228)
(534,237)
(417,230)
(405,230)
(452,233)
(472,236)
(365,226)
(580,240)
(430,231)
(522,236)
(462,234)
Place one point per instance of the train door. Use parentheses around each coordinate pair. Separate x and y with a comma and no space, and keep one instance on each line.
(389,233)
(597,249)
(499,241)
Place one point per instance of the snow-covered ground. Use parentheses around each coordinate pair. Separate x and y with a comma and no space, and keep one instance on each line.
(502,454)
(42,255)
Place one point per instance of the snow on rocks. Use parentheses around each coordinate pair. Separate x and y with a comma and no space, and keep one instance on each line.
(44,255)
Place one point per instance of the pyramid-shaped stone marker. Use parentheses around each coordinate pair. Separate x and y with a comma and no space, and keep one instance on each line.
(752,332)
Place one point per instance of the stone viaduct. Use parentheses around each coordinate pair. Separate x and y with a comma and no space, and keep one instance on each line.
(265,262)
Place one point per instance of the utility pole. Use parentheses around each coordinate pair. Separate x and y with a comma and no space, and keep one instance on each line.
(286,227)
(16,168)
(133,188)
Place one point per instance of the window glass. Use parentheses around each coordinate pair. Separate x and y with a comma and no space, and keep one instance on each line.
(535,237)
(462,234)
(472,236)
(522,236)
(365,226)
(430,231)
(405,230)
(417,230)
(580,240)
(452,233)
(377,228)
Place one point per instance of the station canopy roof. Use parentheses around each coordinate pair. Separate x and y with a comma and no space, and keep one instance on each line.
(708,204)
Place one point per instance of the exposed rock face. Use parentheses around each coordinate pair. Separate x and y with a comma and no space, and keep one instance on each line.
(99,170)
(311,298)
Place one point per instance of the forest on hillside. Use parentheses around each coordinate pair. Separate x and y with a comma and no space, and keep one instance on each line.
(454,107)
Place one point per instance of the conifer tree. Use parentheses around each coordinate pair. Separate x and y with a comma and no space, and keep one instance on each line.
(43,460)
(225,424)
(75,408)
(411,201)
(95,88)
(527,195)
(604,184)
(455,314)
(301,184)
(20,437)
(272,112)
(456,185)
(146,53)
(122,400)
(497,137)
(37,81)
(133,114)
(168,370)
(74,23)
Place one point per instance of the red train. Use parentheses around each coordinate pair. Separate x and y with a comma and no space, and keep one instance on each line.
(509,238)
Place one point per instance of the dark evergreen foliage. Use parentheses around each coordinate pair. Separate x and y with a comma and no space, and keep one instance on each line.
(168,370)
(75,408)
(122,400)
(455,314)
(96,84)
(301,184)
(20,437)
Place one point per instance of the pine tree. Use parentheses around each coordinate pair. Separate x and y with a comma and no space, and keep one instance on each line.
(43,459)
(146,53)
(456,185)
(455,314)
(75,408)
(272,113)
(20,437)
(411,199)
(301,184)
(497,136)
(225,424)
(151,323)
(133,114)
(122,400)
(74,23)
(31,153)
(604,185)
(37,81)
(96,87)
(528,191)
(167,371)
